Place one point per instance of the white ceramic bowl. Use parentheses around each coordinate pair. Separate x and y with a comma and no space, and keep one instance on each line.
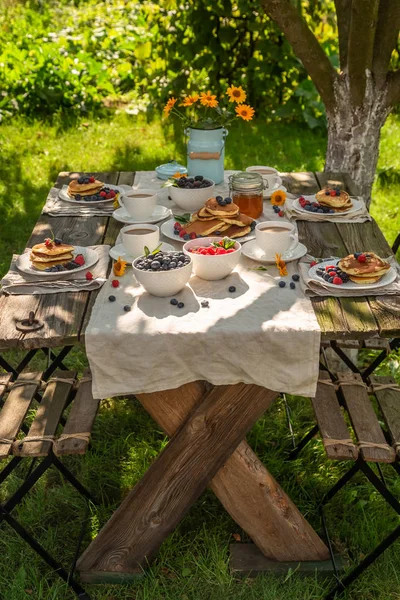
(163,283)
(214,267)
(191,199)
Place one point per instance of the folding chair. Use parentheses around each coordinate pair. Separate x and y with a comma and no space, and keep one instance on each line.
(41,442)
(367,443)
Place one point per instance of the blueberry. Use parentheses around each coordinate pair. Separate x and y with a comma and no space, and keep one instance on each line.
(57,241)
(320,210)
(217,233)
(218,198)
(199,178)
(180,305)
(253,225)
(166,260)
(186,236)
(357,254)
(172,264)
(228,200)
(320,272)
(308,207)
(296,277)
(78,197)
(205,304)
(111,298)
(326,277)
(206,183)
(197,184)
(276,209)
(232,289)
(174,301)
(330,280)
(127,308)
(327,193)
(155,265)
(331,211)
(292,285)
(282,284)
(177,231)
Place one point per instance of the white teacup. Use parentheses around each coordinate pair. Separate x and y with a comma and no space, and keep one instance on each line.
(136,237)
(270,176)
(140,204)
(276,237)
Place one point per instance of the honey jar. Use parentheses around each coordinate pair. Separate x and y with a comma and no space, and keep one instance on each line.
(246,191)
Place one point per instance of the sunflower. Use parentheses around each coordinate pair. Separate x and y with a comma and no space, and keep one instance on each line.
(190,100)
(281,265)
(245,112)
(119,267)
(278,198)
(236,94)
(207,99)
(169,106)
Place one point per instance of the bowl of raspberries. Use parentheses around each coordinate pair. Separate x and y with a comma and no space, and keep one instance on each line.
(213,258)
(190,193)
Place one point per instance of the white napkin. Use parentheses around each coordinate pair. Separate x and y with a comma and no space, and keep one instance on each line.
(16,282)
(359,216)
(256,335)
(313,287)
(56,207)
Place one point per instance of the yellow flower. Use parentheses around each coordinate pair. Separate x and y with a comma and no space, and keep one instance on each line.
(190,100)
(236,94)
(178,175)
(169,106)
(278,198)
(207,99)
(116,203)
(281,265)
(119,267)
(245,112)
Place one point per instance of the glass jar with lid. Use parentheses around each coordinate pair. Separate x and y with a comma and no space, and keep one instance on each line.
(246,191)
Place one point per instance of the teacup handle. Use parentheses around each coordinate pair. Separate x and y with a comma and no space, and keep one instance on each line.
(295,238)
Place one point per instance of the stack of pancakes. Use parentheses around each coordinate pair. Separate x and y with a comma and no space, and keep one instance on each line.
(84,189)
(339,203)
(366,272)
(43,256)
(214,219)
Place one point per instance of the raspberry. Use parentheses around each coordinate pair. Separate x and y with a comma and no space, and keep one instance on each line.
(115,283)
(333,193)
(177,226)
(220,251)
(103,194)
(112,193)
(230,250)
(109,196)
(89,276)
(79,260)
(193,235)
(211,251)
(302,199)
(337,281)
(182,233)
(91,179)
(313,263)
(280,213)
(362,258)
(330,267)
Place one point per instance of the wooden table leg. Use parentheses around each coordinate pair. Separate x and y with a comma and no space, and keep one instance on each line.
(175,480)
(249,493)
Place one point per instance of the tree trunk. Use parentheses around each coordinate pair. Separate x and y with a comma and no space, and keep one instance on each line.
(354,133)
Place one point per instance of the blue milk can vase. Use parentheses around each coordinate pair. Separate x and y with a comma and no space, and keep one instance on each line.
(206,152)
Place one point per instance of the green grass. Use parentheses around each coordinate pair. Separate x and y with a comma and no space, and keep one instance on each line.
(193,563)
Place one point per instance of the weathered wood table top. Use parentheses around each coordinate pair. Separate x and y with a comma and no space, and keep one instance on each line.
(65,315)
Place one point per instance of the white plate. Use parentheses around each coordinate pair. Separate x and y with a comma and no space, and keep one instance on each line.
(160,213)
(65,198)
(356,206)
(24,264)
(253,251)
(278,186)
(119,252)
(389,277)
(167,229)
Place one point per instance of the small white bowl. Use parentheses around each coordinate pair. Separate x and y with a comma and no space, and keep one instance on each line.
(214,267)
(191,199)
(163,283)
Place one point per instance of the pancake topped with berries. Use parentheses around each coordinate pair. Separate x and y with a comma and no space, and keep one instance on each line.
(53,255)
(334,198)
(221,207)
(89,189)
(49,249)
(364,267)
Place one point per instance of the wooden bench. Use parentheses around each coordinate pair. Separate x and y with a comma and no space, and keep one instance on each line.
(45,437)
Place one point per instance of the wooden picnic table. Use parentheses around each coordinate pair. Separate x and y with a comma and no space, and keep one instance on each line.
(207,424)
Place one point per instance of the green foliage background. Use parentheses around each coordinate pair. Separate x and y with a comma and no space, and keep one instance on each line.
(88,55)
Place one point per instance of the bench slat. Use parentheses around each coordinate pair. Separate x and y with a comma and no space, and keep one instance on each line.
(331,422)
(15,408)
(389,403)
(47,416)
(4,381)
(80,420)
(364,420)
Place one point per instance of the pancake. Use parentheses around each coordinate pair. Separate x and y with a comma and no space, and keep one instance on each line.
(202,215)
(47,259)
(42,266)
(373,267)
(236,231)
(204,228)
(364,280)
(214,208)
(332,201)
(83,188)
(241,220)
(53,251)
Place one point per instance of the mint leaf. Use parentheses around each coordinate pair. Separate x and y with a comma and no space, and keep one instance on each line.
(156,250)
(146,251)
(260,268)
(183,219)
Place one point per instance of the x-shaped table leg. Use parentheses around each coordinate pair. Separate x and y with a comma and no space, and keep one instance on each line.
(205,449)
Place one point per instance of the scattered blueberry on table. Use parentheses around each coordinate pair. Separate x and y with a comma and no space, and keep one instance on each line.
(232,289)
(292,285)
(174,301)
(296,277)
(181,304)
(127,308)
(112,298)
(282,284)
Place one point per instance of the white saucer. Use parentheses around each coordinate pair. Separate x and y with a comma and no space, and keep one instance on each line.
(269,191)
(160,213)
(119,252)
(251,250)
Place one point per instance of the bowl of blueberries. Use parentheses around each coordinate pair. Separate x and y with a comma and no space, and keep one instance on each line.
(163,273)
(190,193)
